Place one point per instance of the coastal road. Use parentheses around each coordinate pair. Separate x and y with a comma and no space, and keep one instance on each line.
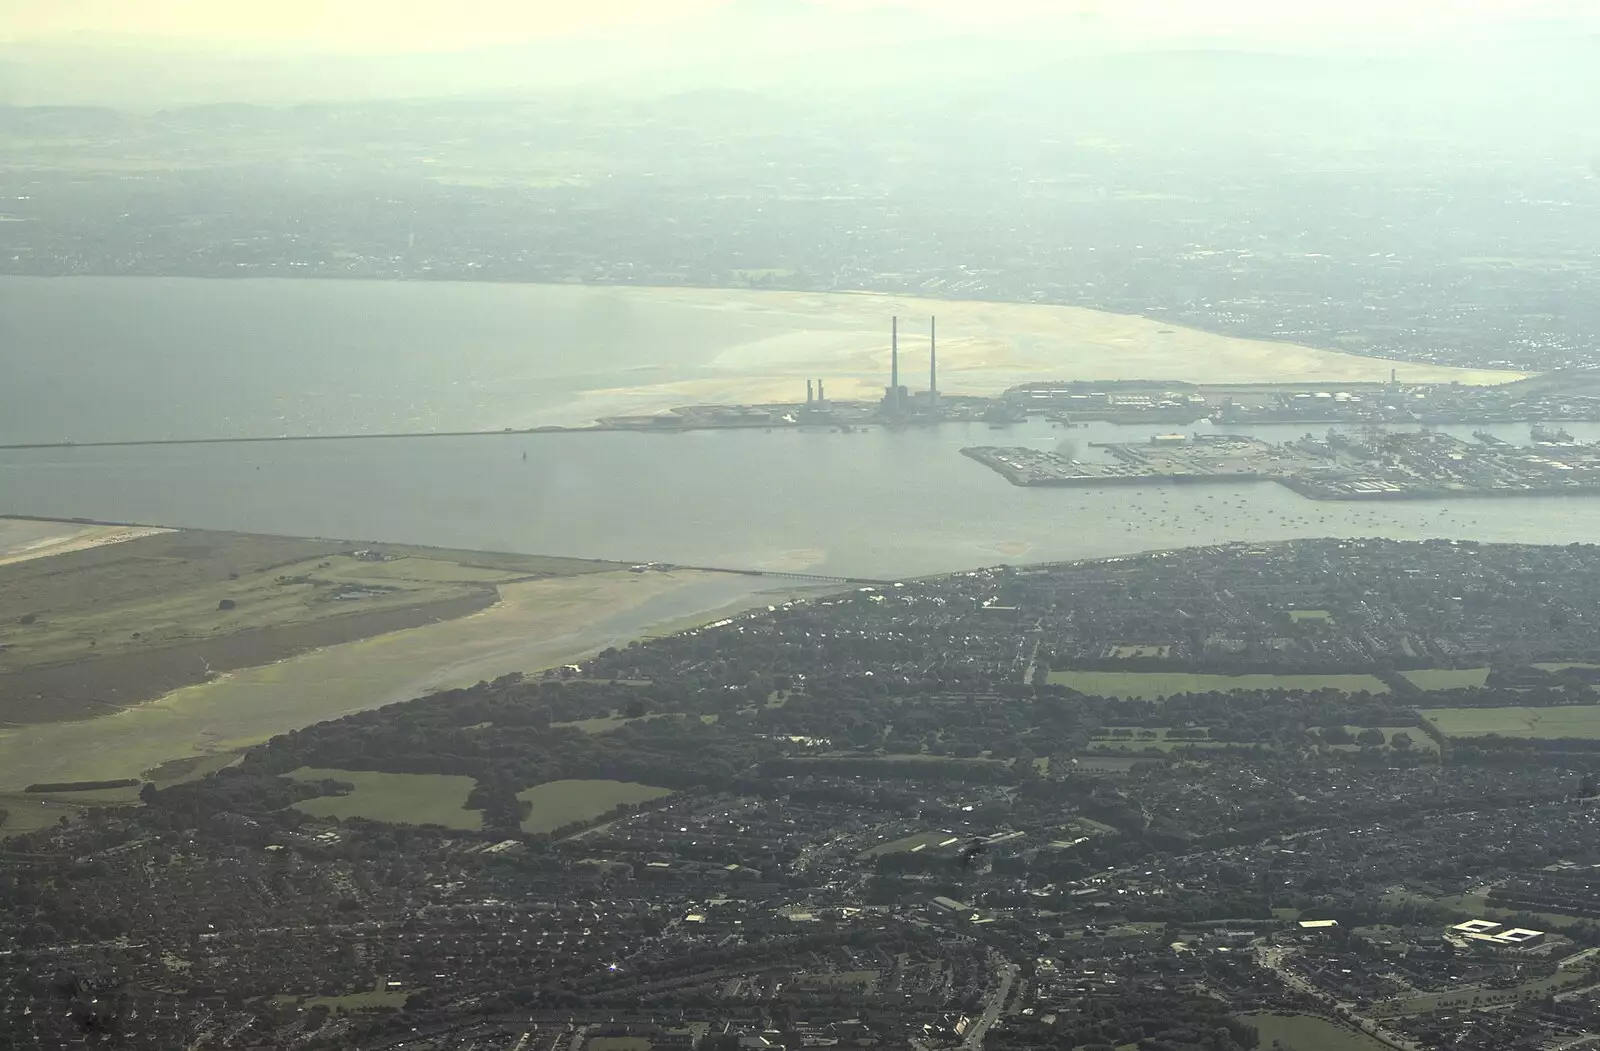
(1274,958)
(996,1002)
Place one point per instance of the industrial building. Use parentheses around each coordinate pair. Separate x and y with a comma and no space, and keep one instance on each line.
(1488,932)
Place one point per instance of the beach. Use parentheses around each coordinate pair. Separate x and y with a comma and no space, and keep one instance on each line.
(844,340)
(22,540)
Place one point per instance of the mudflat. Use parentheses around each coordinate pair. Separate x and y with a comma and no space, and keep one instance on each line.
(535,624)
(101,627)
(984,347)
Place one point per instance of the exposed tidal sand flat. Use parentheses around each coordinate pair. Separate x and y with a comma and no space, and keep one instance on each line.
(983,348)
(368,357)
(88,632)
(23,539)
(535,625)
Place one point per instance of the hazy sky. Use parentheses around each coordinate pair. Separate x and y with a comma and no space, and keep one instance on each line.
(393,25)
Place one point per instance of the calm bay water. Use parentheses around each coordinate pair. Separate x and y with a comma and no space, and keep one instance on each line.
(111,359)
(156,358)
(879,503)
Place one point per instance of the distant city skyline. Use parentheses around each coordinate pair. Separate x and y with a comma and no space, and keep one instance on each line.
(431,25)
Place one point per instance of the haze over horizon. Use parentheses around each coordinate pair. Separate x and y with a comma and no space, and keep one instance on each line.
(436,25)
(166,52)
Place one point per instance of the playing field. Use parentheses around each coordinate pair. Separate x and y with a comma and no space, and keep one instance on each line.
(405,799)
(1580,720)
(837,980)
(1140,651)
(558,803)
(617,1043)
(917,841)
(1447,678)
(1308,1033)
(1150,685)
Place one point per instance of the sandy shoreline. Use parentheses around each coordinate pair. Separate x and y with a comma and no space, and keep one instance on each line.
(21,541)
(984,347)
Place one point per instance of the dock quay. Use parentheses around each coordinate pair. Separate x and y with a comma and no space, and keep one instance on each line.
(1372,465)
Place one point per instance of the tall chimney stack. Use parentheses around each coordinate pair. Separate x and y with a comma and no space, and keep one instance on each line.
(821,392)
(894,355)
(809,393)
(933,359)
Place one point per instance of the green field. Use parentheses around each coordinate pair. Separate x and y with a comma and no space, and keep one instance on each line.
(1477,904)
(1106,764)
(384,999)
(1309,1033)
(1298,615)
(837,979)
(405,799)
(558,803)
(924,840)
(617,1043)
(1564,665)
(1463,997)
(31,811)
(1582,721)
(1447,678)
(1148,685)
(1140,651)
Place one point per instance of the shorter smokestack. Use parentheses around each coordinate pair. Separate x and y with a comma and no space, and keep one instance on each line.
(933,358)
(821,396)
(809,393)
